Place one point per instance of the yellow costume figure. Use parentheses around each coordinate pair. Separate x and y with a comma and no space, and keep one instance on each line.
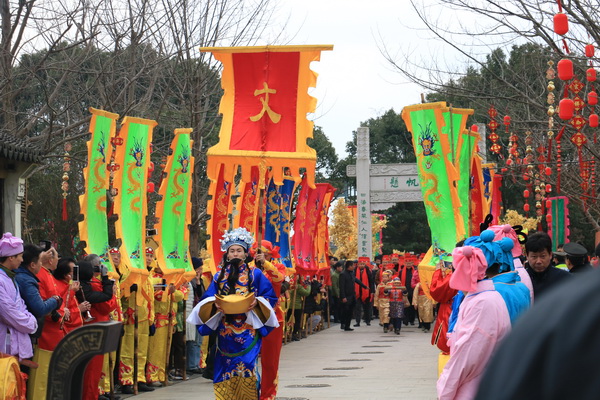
(425,307)
(142,303)
(110,359)
(157,349)
(382,300)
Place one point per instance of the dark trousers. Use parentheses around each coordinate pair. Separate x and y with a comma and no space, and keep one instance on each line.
(363,309)
(297,320)
(347,311)
(335,308)
(208,371)
(397,322)
(177,354)
(409,315)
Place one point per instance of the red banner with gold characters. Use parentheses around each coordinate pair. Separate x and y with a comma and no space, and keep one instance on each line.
(247,203)
(264,109)
(322,231)
(477,198)
(218,207)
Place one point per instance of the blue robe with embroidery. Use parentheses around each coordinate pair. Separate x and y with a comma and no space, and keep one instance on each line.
(238,343)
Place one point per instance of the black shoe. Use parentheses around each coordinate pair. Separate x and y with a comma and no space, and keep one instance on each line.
(143,387)
(397,331)
(356,326)
(349,329)
(106,396)
(368,324)
(412,323)
(405,323)
(127,389)
(342,326)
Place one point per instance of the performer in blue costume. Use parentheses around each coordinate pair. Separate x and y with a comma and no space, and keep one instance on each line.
(248,292)
(502,272)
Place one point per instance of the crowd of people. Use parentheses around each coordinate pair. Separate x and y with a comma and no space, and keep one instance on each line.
(46,296)
(220,325)
(388,288)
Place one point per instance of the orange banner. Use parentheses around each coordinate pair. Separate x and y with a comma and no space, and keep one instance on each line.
(219,207)
(264,107)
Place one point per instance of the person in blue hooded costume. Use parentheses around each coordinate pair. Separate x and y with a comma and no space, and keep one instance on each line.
(502,272)
(238,306)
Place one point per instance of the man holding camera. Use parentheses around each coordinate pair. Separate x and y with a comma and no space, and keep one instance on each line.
(97,289)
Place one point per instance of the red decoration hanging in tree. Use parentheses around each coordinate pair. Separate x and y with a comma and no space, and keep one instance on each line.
(493,125)
(65,179)
(566,108)
(561,24)
(590,50)
(590,74)
(565,69)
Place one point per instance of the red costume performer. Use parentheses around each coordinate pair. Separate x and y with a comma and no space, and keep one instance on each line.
(271,344)
(442,293)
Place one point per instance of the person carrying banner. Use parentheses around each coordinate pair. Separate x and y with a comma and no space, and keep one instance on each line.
(238,305)
(138,306)
(271,345)
(382,299)
(165,305)
(364,297)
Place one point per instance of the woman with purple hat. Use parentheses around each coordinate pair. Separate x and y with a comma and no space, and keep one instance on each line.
(16,323)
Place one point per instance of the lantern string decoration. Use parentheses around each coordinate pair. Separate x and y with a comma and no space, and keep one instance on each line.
(493,125)
(65,179)
(550,100)
(113,167)
(593,180)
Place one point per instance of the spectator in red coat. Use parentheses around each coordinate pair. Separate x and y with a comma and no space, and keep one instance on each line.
(442,293)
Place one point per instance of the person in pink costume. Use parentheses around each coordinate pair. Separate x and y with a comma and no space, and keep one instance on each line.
(508,231)
(483,321)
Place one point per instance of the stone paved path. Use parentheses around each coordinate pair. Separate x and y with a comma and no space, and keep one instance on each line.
(333,364)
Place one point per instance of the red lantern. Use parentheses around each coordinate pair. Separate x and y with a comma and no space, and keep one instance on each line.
(150,187)
(561,23)
(548,188)
(548,204)
(474,128)
(151,167)
(590,75)
(526,207)
(549,218)
(590,50)
(566,108)
(593,120)
(592,98)
(526,193)
(565,69)
(509,162)
(548,171)
(507,120)
(525,177)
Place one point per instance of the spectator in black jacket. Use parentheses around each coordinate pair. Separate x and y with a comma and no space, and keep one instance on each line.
(348,294)
(93,268)
(544,275)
